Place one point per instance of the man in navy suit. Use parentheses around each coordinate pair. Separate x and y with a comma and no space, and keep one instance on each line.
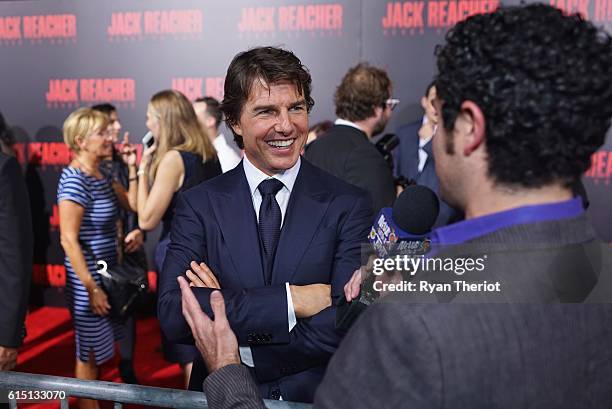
(508,146)
(278,236)
(414,158)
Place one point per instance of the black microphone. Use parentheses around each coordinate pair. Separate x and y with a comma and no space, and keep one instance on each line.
(402,229)
(385,146)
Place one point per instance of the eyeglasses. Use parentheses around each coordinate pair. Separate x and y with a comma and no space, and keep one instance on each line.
(392,103)
(106,133)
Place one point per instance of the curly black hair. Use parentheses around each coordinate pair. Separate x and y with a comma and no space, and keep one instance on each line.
(270,64)
(543,81)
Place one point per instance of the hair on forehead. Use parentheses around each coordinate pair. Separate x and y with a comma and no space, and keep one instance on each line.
(269,66)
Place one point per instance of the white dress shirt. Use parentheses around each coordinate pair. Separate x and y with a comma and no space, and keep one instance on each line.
(422,154)
(228,157)
(341,121)
(254,178)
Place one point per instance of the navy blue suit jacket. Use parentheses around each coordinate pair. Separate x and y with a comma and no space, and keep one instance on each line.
(325,223)
(406,160)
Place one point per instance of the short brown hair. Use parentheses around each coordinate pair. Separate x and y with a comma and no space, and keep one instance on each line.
(363,88)
(269,64)
(213,108)
(83,122)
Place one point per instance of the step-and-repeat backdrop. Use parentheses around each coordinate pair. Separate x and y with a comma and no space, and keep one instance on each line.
(62,54)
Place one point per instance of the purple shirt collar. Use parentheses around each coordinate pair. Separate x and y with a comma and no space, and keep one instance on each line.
(467,230)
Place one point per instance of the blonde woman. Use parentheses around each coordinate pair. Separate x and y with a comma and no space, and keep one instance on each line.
(182,156)
(88,203)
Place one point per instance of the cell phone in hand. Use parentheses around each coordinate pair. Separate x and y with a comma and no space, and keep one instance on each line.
(148,140)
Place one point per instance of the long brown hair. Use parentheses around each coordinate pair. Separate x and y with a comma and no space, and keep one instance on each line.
(178,128)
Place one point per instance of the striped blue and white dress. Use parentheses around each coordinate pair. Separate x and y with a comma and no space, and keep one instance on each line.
(98,241)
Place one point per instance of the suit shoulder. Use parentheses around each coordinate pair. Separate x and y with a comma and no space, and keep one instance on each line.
(409,131)
(219,183)
(339,136)
(331,183)
(367,160)
(8,164)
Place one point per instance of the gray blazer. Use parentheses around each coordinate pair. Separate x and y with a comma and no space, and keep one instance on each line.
(542,354)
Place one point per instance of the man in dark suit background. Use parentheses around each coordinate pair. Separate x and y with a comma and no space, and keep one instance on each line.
(363,106)
(413,158)
(15,259)
(278,236)
(508,147)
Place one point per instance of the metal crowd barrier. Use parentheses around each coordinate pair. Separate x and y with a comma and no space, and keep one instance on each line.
(26,385)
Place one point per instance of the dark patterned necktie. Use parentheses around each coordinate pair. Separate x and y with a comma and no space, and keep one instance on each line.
(269,223)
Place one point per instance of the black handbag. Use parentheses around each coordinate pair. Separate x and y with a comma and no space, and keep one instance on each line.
(125,284)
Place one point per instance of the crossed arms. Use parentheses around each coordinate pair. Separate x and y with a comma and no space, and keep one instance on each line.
(259,315)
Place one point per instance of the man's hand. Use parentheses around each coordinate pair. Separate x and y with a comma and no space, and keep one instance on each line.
(8,358)
(202,276)
(214,339)
(128,152)
(133,240)
(309,300)
(352,288)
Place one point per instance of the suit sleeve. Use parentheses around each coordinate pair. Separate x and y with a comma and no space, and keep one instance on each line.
(366,168)
(15,253)
(387,360)
(315,339)
(232,387)
(261,310)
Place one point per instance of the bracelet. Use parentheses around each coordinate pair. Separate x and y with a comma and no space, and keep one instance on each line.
(134,179)
(141,172)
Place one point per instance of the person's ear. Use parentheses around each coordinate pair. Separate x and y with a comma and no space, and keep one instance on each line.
(378,111)
(80,142)
(424,103)
(472,123)
(210,122)
(236,128)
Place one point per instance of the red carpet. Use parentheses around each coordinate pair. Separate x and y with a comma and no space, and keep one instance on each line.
(49,349)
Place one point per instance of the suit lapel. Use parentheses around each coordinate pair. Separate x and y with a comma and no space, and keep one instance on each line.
(306,208)
(234,211)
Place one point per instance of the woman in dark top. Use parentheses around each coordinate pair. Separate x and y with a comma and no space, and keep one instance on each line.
(182,156)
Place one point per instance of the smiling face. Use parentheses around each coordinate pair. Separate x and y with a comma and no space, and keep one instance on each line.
(115,125)
(274,126)
(98,144)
